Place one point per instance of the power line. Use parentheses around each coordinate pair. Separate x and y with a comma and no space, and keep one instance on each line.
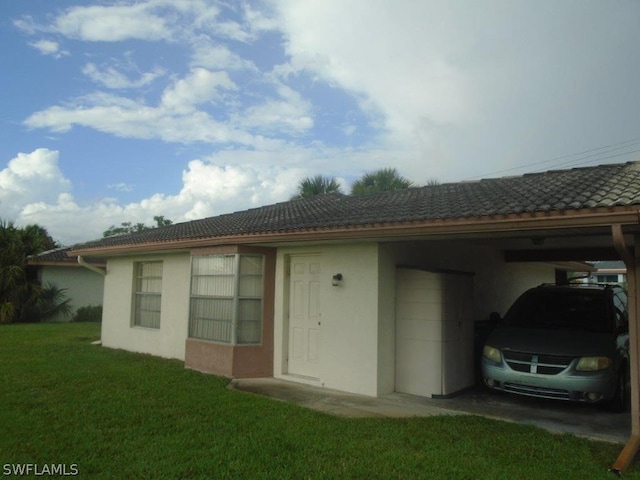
(593,152)
(579,162)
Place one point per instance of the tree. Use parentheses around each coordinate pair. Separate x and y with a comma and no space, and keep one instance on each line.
(128,227)
(311,186)
(22,298)
(12,270)
(381,180)
(161,221)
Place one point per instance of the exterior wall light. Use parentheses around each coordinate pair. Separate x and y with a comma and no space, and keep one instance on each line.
(336,280)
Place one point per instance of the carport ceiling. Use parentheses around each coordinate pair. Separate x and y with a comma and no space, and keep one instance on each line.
(561,255)
(572,245)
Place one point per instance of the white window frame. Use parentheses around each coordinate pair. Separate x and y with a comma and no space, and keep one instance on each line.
(200,327)
(141,295)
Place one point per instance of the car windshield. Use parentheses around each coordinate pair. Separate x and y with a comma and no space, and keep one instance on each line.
(556,309)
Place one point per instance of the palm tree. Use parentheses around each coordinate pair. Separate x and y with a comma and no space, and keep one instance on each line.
(381,180)
(311,186)
(22,298)
(43,302)
(12,272)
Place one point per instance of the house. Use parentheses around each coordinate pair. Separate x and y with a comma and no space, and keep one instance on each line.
(83,284)
(609,272)
(369,294)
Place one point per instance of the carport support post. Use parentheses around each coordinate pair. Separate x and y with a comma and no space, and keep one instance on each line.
(632,262)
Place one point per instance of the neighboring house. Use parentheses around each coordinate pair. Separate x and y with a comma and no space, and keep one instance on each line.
(83,286)
(369,294)
(609,272)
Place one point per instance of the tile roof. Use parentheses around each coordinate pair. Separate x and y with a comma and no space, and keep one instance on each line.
(614,185)
(60,256)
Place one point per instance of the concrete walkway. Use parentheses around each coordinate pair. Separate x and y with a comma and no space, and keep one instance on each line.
(555,416)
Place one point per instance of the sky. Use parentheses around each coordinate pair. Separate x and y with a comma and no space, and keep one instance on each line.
(119,111)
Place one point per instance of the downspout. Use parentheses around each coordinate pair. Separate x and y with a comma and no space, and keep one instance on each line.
(93,268)
(630,450)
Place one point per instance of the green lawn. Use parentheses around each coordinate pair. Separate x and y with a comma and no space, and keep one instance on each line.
(118,415)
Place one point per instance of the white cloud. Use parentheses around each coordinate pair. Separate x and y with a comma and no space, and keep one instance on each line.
(145,20)
(188,111)
(127,118)
(111,77)
(33,190)
(260,20)
(204,105)
(49,47)
(113,23)
(27,24)
(200,86)
(291,112)
(122,187)
(214,56)
(30,177)
(401,59)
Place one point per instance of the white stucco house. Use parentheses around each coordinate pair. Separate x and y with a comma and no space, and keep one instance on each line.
(83,286)
(370,294)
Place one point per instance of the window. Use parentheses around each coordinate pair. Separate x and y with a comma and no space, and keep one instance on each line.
(607,278)
(226,298)
(148,294)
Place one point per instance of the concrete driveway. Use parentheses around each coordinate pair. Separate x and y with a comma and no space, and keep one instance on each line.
(556,416)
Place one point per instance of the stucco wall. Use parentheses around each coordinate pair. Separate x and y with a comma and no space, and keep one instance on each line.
(117,325)
(83,286)
(349,312)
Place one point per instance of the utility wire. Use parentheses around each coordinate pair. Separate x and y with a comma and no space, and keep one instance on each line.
(593,152)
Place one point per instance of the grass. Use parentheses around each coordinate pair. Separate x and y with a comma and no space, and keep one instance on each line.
(120,415)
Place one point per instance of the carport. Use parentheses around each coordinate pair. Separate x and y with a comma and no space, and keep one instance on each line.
(607,234)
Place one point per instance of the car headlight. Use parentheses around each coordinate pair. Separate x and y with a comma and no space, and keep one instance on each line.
(593,364)
(492,353)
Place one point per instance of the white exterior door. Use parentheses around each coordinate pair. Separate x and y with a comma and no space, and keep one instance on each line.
(304,316)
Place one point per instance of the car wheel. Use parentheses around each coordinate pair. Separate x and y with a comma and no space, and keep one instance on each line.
(620,401)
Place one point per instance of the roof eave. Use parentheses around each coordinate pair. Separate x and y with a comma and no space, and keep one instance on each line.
(62,263)
(584,218)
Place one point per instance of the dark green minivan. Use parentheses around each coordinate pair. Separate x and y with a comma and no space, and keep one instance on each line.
(565,342)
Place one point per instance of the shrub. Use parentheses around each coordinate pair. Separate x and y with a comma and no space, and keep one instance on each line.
(37,303)
(91,313)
